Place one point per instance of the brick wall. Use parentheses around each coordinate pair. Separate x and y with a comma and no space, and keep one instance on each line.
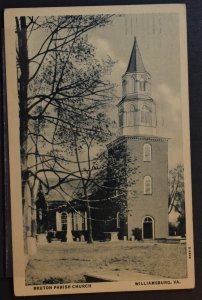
(156,204)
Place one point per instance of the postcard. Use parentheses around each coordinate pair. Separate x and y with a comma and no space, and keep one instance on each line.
(99,149)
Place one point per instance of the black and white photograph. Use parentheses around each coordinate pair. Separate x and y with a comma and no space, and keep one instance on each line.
(98,126)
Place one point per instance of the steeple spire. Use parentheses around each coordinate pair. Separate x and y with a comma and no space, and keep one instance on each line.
(135,63)
(137,110)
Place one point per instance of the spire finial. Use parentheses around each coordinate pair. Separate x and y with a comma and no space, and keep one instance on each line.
(135,63)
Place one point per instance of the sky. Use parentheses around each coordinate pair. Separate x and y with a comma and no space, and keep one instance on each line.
(158,40)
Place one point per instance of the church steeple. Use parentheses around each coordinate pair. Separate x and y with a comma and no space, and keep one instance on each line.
(137,112)
(136,81)
(135,63)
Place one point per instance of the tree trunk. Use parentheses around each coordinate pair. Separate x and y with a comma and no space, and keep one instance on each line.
(89,224)
(89,220)
(23,88)
(23,113)
(33,215)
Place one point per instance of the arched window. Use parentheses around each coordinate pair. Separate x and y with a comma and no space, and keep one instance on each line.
(142,86)
(146,115)
(147,152)
(148,220)
(131,85)
(120,120)
(64,221)
(147,185)
(145,85)
(127,114)
(118,223)
(121,112)
(135,85)
(131,116)
(124,83)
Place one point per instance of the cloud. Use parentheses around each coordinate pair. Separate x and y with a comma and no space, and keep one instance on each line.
(104,49)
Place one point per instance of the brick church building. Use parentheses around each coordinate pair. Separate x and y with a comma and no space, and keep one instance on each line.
(139,198)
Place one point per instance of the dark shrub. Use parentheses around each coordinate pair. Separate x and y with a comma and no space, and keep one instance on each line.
(61,235)
(137,232)
(50,236)
(78,235)
(172,229)
(181,226)
(53,280)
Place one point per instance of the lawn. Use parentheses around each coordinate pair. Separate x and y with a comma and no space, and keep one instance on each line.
(68,262)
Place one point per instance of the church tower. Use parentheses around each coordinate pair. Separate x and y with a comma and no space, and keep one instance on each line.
(137,110)
(147,196)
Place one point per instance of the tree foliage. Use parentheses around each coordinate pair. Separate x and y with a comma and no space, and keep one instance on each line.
(56,74)
(176,199)
(57,70)
(64,96)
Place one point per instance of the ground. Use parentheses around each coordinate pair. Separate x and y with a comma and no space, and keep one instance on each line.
(68,262)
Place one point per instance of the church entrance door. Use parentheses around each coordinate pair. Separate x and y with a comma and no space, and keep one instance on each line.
(148,228)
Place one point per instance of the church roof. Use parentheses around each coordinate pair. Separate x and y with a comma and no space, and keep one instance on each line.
(135,63)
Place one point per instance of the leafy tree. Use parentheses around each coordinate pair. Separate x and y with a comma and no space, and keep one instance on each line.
(112,187)
(84,136)
(177,197)
(47,78)
(104,175)
(181,225)
(63,98)
(176,190)
(43,76)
